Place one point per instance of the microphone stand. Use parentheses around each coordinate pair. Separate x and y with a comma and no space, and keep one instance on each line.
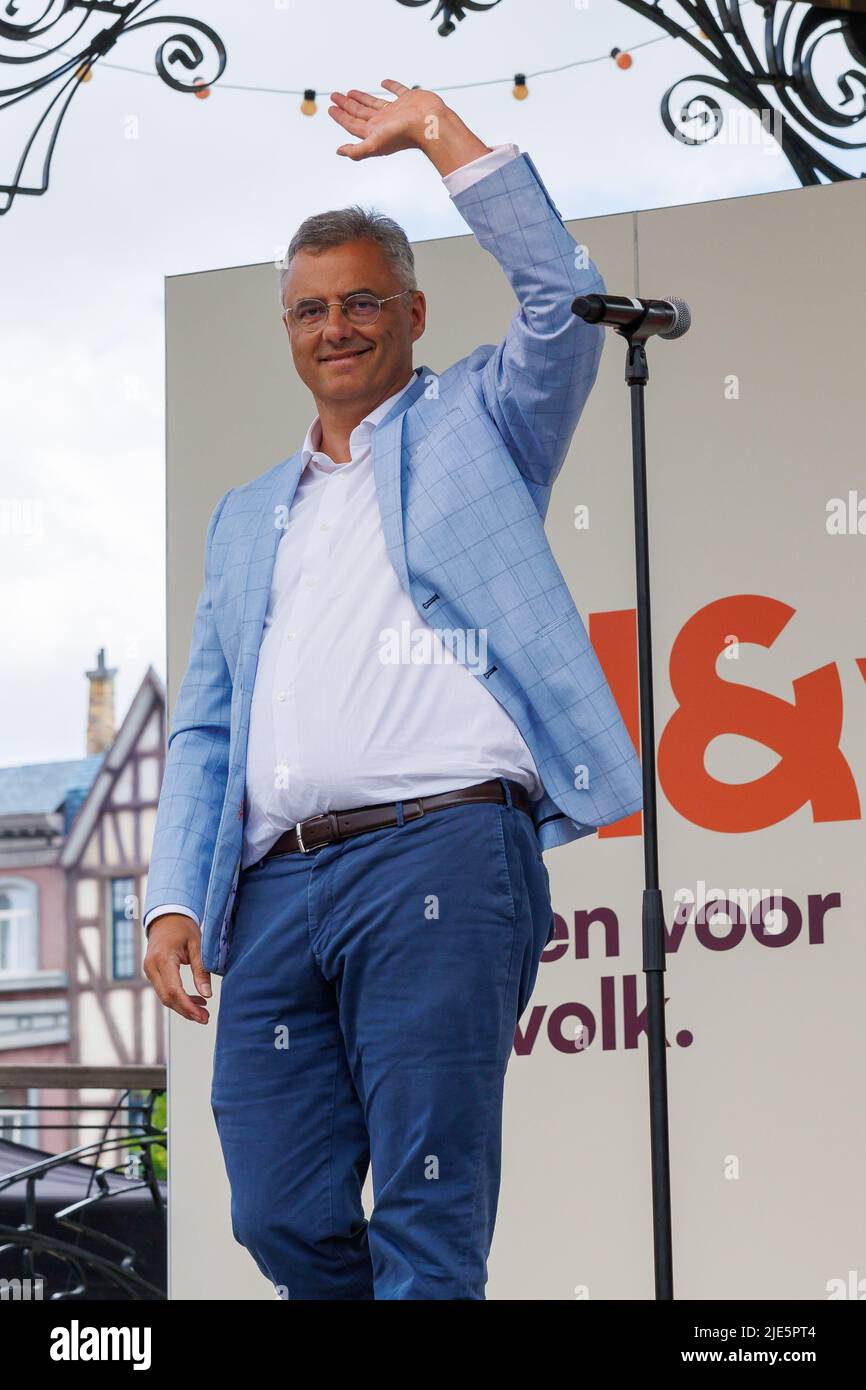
(635,331)
(635,320)
(637,376)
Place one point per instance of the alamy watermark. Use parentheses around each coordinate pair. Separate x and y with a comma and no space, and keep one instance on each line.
(427,646)
(741,125)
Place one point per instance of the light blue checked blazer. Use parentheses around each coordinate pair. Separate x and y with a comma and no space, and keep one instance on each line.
(464,464)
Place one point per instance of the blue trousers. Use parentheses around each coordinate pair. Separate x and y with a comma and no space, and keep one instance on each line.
(366,1016)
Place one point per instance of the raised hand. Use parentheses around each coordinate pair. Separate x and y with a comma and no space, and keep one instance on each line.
(384,127)
(415,119)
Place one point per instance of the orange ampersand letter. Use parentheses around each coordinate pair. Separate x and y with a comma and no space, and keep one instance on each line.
(805,733)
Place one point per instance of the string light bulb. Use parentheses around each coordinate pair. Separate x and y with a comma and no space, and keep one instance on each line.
(622,60)
(308,105)
(84,73)
(520,91)
(202,90)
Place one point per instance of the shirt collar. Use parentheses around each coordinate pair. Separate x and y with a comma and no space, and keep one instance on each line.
(357,439)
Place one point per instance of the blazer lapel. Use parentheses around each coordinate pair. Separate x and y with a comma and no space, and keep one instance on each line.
(388,473)
(268,522)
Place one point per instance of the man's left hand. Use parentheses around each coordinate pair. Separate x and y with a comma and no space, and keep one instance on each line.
(415,119)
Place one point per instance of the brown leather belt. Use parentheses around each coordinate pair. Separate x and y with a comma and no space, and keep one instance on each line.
(332,826)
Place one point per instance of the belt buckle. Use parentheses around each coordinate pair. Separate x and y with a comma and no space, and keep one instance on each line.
(418,811)
(303,847)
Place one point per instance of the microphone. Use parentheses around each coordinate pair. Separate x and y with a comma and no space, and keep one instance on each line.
(669,318)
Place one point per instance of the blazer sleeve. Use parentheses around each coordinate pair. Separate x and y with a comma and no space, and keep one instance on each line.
(196,767)
(535,383)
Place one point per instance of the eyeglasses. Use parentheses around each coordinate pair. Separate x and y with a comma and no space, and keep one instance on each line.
(361,308)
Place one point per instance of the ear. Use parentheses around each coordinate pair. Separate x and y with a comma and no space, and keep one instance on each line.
(419,315)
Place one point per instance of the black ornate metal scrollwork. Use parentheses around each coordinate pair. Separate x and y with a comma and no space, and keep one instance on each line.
(781,88)
(63,46)
(450,10)
(105,1238)
(781,91)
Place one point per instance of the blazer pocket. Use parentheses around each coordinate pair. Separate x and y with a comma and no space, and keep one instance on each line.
(452,419)
(556,622)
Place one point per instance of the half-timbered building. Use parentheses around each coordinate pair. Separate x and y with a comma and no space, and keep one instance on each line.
(75,842)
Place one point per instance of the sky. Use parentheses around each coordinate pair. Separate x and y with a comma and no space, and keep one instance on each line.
(147,182)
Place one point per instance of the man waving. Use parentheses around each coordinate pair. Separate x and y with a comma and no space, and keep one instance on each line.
(391,709)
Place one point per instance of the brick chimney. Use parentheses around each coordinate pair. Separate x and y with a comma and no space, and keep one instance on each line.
(100,707)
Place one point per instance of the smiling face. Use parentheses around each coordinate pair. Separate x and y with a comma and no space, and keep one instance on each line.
(342,362)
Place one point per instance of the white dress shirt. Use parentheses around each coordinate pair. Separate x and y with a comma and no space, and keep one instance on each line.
(356,700)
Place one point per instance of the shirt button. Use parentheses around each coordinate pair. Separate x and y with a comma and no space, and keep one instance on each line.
(281,695)
(310,582)
(291,636)
(324,525)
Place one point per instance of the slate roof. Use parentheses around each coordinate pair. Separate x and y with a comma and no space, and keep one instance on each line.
(40,788)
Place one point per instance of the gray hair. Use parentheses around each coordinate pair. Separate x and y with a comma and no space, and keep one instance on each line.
(328,229)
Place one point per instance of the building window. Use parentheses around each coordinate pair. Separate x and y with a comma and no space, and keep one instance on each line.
(19,928)
(124,931)
(16,1119)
